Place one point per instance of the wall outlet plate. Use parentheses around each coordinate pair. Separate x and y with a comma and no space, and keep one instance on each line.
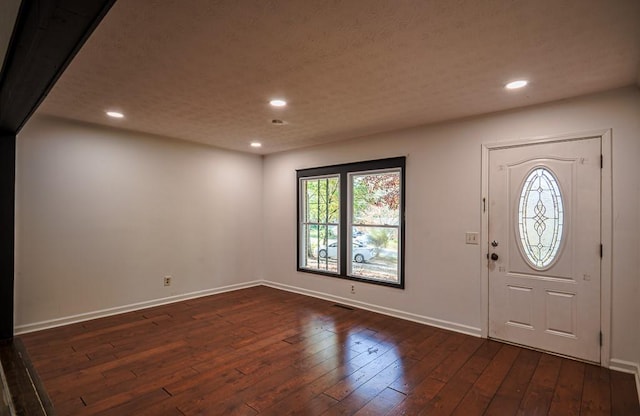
(167,280)
(472,238)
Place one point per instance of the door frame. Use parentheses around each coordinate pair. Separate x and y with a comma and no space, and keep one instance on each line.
(606,227)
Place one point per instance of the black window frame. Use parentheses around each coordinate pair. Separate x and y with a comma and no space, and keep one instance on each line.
(343,171)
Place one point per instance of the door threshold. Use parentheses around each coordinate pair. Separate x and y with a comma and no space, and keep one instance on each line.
(529,347)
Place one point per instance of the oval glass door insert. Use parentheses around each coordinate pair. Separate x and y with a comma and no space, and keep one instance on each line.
(540,218)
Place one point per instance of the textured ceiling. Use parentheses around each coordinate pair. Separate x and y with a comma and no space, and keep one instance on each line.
(204,70)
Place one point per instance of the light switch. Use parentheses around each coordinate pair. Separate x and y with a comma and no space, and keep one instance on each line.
(472,238)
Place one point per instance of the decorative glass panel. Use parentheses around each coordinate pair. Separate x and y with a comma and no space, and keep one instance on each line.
(541,218)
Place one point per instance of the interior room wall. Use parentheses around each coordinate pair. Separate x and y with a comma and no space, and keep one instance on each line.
(104,214)
(443,201)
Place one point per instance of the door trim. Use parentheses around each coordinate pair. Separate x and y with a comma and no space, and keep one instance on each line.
(606,227)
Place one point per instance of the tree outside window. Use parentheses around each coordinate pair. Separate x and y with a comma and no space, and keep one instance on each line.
(375,221)
(320,221)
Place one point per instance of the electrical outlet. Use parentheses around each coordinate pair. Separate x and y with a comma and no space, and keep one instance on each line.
(353,289)
(167,280)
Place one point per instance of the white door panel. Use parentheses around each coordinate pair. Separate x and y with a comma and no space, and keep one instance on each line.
(544,220)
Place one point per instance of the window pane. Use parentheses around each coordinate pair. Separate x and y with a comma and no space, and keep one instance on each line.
(375,252)
(376,198)
(320,248)
(375,221)
(322,200)
(320,208)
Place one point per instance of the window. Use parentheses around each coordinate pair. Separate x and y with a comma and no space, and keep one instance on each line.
(320,222)
(351,221)
(540,218)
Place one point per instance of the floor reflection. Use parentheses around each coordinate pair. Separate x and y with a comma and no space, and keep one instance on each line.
(355,360)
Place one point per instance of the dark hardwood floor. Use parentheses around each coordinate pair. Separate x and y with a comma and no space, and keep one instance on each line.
(269,352)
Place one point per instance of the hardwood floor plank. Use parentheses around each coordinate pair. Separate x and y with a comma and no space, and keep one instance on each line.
(596,393)
(230,397)
(623,401)
(314,389)
(438,349)
(382,403)
(476,401)
(369,390)
(69,405)
(453,391)
(351,382)
(103,391)
(506,400)
(94,372)
(376,353)
(567,397)
(425,391)
(267,394)
(455,360)
(125,403)
(537,398)
(334,371)
(262,351)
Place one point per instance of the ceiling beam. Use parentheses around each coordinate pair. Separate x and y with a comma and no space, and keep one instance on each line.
(46,37)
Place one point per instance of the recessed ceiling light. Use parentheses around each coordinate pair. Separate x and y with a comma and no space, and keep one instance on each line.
(516,84)
(115,114)
(278,102)
(256,144)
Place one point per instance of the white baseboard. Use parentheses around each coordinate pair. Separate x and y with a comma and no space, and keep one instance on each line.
(627,367)
(439,323)
(37,326)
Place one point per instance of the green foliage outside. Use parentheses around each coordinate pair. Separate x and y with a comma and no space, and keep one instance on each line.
(379,238)
(376,201)
(322,205)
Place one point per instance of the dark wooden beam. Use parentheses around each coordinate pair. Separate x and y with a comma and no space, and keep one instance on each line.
(7,215)
(46,37)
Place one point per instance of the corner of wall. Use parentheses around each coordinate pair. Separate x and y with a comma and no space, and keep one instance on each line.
(629,368)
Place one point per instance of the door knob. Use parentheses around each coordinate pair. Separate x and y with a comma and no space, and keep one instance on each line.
(494,256)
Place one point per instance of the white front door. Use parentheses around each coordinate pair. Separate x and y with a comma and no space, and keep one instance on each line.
(544,246)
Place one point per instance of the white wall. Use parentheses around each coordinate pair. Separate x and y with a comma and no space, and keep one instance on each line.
(443,202)
(103,215)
